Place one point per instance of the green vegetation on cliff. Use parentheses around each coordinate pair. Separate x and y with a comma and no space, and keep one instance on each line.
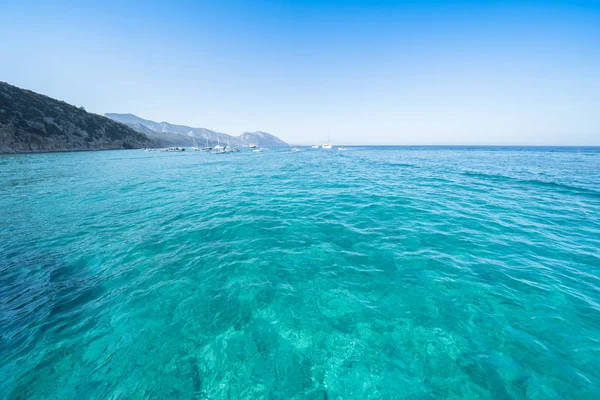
(31,122)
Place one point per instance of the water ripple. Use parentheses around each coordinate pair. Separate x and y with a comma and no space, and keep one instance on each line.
(371,273)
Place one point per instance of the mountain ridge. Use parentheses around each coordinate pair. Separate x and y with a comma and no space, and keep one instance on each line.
(187,135)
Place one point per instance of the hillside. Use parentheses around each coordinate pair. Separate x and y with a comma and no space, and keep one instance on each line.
(183,135)
(31,122)
(261,139)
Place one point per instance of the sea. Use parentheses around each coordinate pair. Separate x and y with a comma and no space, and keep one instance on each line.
(370,273)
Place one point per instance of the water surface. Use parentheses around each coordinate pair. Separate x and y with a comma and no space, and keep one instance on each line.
(375,273)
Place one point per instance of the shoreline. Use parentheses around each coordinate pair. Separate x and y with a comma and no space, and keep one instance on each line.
(470,146)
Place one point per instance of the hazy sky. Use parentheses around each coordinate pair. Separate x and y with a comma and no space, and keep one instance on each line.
(380,72)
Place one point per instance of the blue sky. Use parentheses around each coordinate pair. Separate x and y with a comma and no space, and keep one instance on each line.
(378,72)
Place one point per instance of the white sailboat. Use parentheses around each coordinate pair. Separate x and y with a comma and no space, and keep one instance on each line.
(206,148)
(218,146)
(327,146)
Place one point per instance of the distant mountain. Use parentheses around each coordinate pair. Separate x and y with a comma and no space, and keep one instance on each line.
(162,127)
(261,139)
(181,135)
(31,122)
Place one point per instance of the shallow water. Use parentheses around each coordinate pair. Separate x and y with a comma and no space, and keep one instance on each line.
(372,273)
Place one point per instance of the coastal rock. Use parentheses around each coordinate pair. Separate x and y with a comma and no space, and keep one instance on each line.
(33,123)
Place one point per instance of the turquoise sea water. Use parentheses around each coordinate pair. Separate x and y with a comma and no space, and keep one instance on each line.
(375,273)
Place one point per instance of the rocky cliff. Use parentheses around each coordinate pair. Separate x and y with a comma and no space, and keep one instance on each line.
(31,122)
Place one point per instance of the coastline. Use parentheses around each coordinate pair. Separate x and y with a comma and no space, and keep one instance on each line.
(2,152)
(387,146)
